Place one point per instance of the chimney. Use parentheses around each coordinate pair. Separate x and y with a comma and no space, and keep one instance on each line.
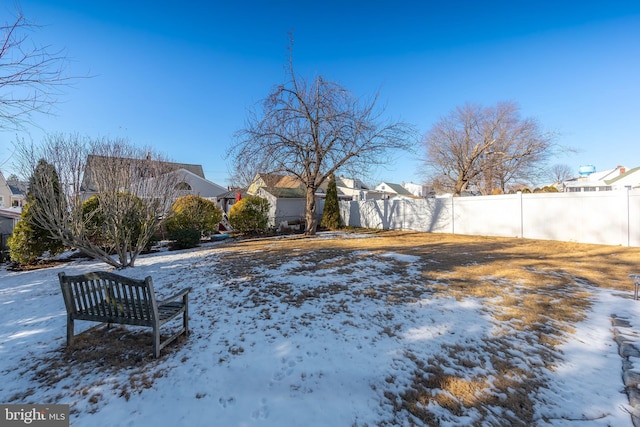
(622,169)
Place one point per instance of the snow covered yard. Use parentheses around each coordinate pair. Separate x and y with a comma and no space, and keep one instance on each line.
(340,330)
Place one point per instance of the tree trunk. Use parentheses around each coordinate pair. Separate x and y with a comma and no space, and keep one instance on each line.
(310,212)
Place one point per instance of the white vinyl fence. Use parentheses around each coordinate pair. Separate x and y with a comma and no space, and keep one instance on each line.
(603,217)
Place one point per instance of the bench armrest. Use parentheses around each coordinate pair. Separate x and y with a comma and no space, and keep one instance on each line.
(174,297)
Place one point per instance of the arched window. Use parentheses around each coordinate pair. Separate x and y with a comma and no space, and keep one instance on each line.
(183,186)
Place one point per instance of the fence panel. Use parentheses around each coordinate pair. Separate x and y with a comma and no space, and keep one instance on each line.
(488,215)
(607,217)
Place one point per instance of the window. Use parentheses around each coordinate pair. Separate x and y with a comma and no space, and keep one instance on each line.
(183,186)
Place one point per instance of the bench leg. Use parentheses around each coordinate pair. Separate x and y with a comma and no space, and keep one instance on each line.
(156,341)
(69,331)
(185,318)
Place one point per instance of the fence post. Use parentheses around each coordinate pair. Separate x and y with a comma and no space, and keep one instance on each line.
(519,193)
(453,216)
(628,218)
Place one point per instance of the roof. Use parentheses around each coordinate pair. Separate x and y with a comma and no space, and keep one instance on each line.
(286,193)
(10,213)
(94,161)
(396,188)
(17,188)
(278,180)
(623,176)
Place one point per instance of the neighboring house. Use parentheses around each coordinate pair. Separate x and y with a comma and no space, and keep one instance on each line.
(286,196)
(12,193)
(419,190)
(628,179)
(191,182)
(273,180)
(391,190)
(618,178)
(354,189)
(94,163)
(18,193)
(8,220)
(287,206)
(348,188)
(228,199)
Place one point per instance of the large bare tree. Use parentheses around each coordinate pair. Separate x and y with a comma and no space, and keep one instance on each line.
(134,194)
(312,129)
(32,76)
(485,147)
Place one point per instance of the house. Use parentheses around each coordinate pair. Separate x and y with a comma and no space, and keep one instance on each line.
(287,206)
(618,178)
(419,190)
(9,218)
(194,184)
(627,179)
(391,190)
(13,196)
(273,180)
(287,197)
(13,193)
(191,177)
(135,167)
(355,189)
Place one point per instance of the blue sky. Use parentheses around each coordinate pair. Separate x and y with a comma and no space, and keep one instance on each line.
(180,77)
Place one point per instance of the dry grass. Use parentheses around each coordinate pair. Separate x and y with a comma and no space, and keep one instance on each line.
(535,289)
(103,350)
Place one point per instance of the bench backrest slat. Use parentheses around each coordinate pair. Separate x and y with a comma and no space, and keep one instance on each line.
(107,295)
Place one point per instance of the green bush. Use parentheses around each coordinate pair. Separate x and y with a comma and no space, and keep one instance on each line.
(184,238)
(102,231)
(29,241)
(196,213)
(250,215)
(331,213)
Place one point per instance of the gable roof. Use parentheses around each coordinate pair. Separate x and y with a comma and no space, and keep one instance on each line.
(394,188)
(95,162)
(623,176)
(199,185)
(18,188)
(285,193)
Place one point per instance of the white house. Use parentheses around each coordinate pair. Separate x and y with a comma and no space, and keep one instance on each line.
(191,179)
(354,189)
(192,184)
(287,206)
(286,196)
(391,190)
(618,178)
(419,190)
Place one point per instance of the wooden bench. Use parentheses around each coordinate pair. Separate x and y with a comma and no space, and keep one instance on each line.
(110,298)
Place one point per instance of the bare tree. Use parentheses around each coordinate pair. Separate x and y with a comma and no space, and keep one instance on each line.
(486,147)
(134,194)
(560,173)
(311,130)
(31,76)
